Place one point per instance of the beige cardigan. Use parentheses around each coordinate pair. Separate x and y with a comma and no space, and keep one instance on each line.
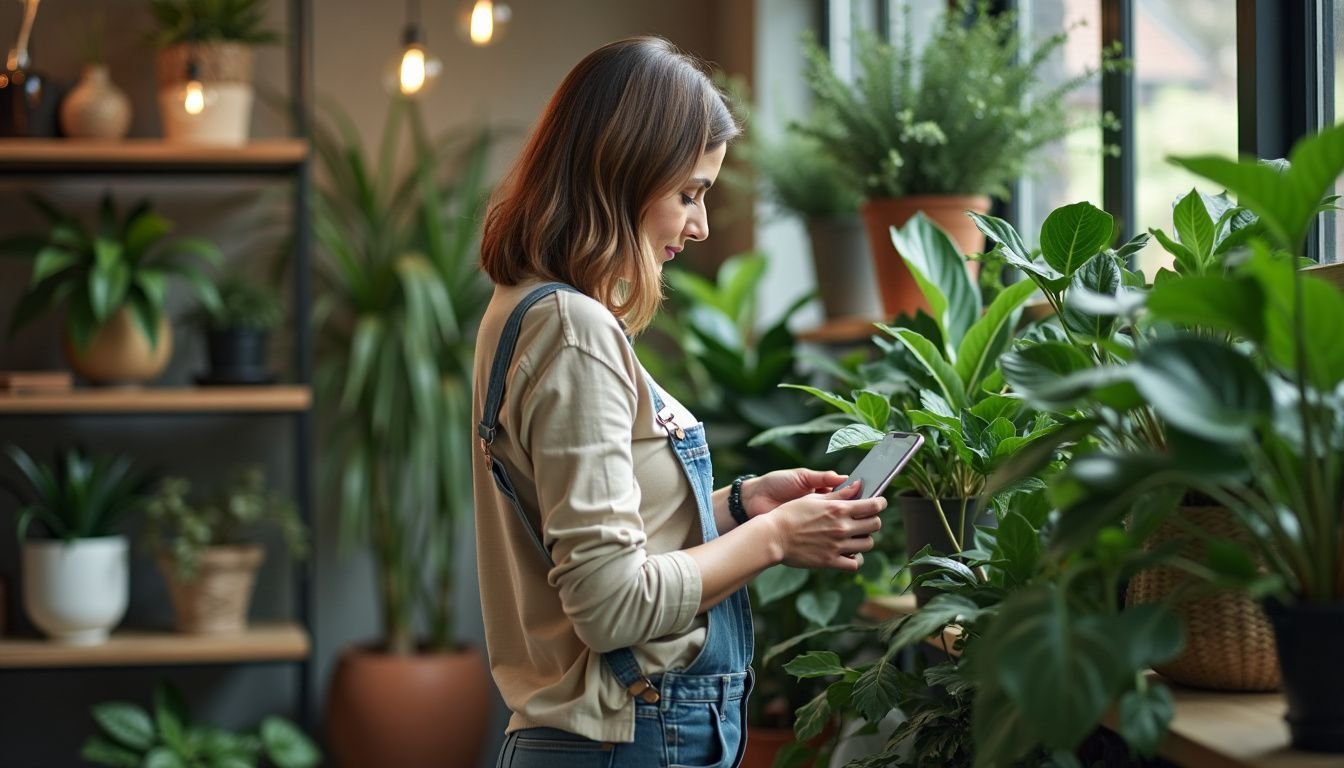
(578,436)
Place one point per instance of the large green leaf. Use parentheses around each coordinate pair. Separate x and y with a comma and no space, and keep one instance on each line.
(777,582)
(1203,387)
(940,270)
(930,619)
(975,359)
(1145,717)
(818,606)
(877,691)
(1214,302)
(815,664)
(1014,250)
(50,260)
(1285,202)
(854,436)
(1019,548)
(1194,226)
(287,746)
(1098,277)
(949,384)
(873,407)
(1060,670)
(127,724)
(1073,234)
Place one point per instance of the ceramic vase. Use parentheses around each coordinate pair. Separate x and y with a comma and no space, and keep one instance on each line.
(96,108)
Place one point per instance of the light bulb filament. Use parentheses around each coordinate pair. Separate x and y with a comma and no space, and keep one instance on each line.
(194,99)
(412,70)
(482,22)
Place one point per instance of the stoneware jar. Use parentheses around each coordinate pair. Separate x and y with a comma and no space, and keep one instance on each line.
(95,108)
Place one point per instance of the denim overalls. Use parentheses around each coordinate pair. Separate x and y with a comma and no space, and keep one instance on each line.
(692,717)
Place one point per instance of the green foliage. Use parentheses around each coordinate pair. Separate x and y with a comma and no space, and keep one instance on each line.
(243,305)
(182,530)
(121,263)
(204,21)
(800,177)
(961,117)
(77,496)
(129,737)
(400,296)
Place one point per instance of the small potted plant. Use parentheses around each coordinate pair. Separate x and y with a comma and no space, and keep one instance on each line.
(236,332)
(128,735)
(112,281)
(75,578)
(204,67)
(203,548)
(938,129)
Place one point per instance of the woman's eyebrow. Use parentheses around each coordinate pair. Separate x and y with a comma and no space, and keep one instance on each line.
(701,180)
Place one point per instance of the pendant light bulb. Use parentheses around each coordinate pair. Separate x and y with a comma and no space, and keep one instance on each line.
(414,70)
(194,96)
(482,22)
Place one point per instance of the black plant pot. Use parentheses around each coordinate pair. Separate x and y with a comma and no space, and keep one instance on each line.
(924,527)
(237,356)
(1309,638)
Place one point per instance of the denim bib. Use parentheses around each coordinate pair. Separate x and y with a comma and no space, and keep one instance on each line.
(691,718)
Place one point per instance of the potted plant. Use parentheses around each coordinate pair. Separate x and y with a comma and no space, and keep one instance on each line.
(800,178)
(113,283)
(398,276)
(206,551)
(129,735)
(236,331)
(204,67)
(75,577)
(940,377)
(939,129)
(1254,389)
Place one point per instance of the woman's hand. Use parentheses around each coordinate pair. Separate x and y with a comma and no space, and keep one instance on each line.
(829,530)
(764,493)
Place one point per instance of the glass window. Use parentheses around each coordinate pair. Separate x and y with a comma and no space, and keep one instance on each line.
(1333,82)
(1068,170)
(1185,70)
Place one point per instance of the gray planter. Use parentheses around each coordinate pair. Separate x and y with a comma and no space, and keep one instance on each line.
(924,528)
(844,268)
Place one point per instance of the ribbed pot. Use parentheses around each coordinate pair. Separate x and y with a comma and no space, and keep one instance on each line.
(924,527)
(900,293)
(1309,637)
(1229,642)
(843,267)
(216,600)
(417,711)
(119,353)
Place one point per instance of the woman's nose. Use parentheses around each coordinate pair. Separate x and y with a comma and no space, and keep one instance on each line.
(697,226)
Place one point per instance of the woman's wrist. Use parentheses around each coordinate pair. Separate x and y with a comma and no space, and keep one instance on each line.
(737,507)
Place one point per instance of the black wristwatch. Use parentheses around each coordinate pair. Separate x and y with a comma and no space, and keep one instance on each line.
(735,507)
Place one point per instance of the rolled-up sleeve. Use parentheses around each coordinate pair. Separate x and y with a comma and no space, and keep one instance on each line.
(579,411)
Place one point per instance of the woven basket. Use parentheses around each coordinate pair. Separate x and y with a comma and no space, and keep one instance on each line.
(216,601)
(1229,642)
(219,63)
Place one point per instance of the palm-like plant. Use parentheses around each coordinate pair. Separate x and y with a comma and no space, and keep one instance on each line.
(199,21)
(400,298)
(77,496)
(124,262)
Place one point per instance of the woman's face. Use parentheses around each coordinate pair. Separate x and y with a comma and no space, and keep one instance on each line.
(680,215)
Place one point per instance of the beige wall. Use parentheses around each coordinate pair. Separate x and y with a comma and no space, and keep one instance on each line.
(506,85)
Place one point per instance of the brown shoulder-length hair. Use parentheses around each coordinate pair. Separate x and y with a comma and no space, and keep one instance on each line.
(627,125)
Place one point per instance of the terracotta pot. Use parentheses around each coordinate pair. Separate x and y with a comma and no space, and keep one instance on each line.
(119,353)
(900,293)
(217,599)
(95,108)
(419,711)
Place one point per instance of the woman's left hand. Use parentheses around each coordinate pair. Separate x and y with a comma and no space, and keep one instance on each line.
(764,493)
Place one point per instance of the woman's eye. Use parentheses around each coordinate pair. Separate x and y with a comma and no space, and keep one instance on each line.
(687,199)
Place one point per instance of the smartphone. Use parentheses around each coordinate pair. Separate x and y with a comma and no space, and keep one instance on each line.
(883,463)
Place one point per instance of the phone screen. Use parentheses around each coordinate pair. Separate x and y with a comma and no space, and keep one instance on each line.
(883,462)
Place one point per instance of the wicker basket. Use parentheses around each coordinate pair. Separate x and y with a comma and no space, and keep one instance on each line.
(216,601)
(1229,642)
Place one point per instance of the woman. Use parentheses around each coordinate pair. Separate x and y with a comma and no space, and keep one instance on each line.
(612,575)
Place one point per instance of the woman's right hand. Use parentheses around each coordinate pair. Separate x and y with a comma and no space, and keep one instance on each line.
(826,530)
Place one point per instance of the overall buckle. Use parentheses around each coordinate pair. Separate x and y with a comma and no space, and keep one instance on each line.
(644,690)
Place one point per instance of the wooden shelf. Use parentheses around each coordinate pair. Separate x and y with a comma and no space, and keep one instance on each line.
(1334,272)
(843,330)
(133,648)
(270,399)
(148,156)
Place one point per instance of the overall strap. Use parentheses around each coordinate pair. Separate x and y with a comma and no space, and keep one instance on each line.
(494,400)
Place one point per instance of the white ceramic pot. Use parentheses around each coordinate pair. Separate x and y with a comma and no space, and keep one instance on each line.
(95,108)
(76,592)
(224,121)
